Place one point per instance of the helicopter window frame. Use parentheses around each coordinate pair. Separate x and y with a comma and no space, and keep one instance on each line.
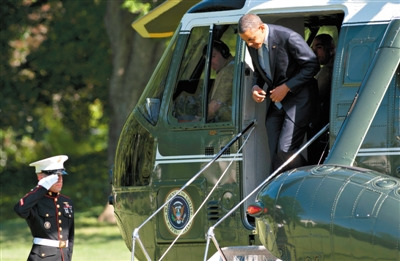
(223,82)
(200,88)
(189,79)
(149,103)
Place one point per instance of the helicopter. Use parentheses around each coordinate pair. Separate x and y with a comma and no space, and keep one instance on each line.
(182,181)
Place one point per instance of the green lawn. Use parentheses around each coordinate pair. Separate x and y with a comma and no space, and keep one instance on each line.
(93,240)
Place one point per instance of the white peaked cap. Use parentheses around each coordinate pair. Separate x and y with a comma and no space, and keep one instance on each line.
(52,163)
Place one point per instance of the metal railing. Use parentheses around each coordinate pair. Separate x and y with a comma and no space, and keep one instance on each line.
(135,233)
(210,233)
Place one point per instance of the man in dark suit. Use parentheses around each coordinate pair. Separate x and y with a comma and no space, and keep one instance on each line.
(286,64)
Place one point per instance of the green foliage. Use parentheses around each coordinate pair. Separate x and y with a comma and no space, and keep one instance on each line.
(87,183)
(88,180)
(135,6)
(141,7)
(54,79)
(56,63)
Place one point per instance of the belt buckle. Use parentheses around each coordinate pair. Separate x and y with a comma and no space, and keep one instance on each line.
(62,244)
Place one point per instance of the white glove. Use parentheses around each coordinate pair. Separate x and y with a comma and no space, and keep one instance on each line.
(48,181)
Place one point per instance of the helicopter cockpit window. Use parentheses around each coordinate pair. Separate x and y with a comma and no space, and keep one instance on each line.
(222,63)
(188,94)
(204,87)
(150,100)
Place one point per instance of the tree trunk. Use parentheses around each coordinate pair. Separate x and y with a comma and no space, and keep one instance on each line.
(108,215)
(134,59)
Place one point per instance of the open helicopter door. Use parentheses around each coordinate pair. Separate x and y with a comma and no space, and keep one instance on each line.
(188,136)
(256,166)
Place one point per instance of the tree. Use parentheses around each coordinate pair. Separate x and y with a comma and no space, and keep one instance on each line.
(134,59)
(55,66)
(67,88)
(54,72)
(56,55)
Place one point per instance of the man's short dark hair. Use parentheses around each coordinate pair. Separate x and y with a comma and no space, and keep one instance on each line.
(249,22)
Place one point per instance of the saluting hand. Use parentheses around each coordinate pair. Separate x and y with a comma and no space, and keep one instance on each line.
(48,181)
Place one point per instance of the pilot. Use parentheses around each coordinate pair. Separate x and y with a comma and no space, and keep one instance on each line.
(49,214)
(220,96)
(324,48)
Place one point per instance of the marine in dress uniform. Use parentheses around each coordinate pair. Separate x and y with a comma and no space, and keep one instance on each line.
(49,214)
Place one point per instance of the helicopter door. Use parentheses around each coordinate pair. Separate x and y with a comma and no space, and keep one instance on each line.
(194,133)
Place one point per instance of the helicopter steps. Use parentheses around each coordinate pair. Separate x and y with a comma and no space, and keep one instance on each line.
(244,253)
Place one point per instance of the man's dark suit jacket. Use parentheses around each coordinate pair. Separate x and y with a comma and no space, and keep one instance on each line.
(292,62)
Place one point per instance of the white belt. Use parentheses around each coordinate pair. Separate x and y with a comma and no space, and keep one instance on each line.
(49,242)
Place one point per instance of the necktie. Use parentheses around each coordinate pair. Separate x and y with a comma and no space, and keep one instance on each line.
(264,61)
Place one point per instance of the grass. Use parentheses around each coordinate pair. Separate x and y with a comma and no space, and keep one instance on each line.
(93,240)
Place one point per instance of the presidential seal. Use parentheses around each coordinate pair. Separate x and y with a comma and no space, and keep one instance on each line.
(178,212)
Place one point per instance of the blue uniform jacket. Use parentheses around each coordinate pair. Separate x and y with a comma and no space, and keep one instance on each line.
(50,216)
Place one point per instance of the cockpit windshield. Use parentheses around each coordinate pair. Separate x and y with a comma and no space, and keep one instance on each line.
(150,101)
(203,92)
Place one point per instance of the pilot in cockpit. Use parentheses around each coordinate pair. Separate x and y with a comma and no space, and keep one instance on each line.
(220,95)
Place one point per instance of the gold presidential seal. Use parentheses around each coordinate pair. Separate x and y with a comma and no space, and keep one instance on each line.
(178,212)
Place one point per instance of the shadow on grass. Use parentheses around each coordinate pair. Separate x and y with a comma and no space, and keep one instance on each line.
(93,240)
(15,230)
(88,229)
